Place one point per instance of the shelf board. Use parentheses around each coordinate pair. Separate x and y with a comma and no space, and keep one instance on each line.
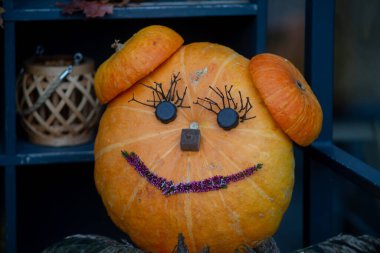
(46,10)
(28,154)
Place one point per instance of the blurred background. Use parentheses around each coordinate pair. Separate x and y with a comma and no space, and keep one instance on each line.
(356,111)
(357,63)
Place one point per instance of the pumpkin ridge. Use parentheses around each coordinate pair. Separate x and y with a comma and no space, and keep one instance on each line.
(132,198)
(184,115)
(175,60)
(189,221)
(293,101)
(237,168)
(307,109)
(261,132)
(210,127)
(209,198)
(120,145)
(219,72)
(261,192)
(300,121)
(203,52)
(184,76)
(188,169)
(220,194)
(274,68)
(314,127)
(244,148)
(222,153)
(235,221)
(142,182)
(208,47)
(273,94)
(269,69)
(231,213)
(272,75)
(129,108)
(232,216)
(150,112)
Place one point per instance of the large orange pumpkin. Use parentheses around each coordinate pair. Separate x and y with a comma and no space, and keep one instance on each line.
(233,190)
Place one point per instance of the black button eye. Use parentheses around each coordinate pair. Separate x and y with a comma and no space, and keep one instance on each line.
(228,118)
(230,110)
(166,112)
(165,103)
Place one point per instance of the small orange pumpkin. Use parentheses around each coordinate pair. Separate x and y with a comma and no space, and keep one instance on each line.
(236,186)
(135,59)
(287,96)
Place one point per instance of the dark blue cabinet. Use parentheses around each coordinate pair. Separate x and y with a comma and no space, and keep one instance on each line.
(48,192)
(328,169)
(48,188)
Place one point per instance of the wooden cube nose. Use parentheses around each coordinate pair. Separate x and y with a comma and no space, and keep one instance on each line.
(190,139)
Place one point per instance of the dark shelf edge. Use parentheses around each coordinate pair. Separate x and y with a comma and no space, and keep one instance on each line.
(30,154)
(140,11)
(343,163)
(51,158)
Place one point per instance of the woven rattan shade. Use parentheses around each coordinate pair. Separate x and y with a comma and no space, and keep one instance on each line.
(69,115)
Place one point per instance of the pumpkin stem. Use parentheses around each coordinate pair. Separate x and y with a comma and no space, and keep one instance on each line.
(117,45)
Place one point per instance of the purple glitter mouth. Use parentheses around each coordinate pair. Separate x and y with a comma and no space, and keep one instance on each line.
(169,188)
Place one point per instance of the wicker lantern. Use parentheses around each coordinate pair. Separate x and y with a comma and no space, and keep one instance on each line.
(56,100)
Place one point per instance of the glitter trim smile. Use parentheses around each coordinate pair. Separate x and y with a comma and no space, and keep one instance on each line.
(169,188)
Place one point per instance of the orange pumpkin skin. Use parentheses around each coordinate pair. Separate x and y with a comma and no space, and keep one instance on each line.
(288,97)
(246,212)
(139,56)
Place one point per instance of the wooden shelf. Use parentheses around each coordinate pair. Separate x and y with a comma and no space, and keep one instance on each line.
(28,154)
(46,10)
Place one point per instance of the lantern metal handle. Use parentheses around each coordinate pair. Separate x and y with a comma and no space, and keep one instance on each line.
(78,58)
(49,90)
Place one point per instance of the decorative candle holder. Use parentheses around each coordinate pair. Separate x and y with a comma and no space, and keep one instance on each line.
(56,99)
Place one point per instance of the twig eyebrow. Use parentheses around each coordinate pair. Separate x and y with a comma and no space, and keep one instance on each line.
(227,101)
(158,94)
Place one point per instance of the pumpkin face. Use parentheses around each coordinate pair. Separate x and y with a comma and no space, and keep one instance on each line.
(221,197)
